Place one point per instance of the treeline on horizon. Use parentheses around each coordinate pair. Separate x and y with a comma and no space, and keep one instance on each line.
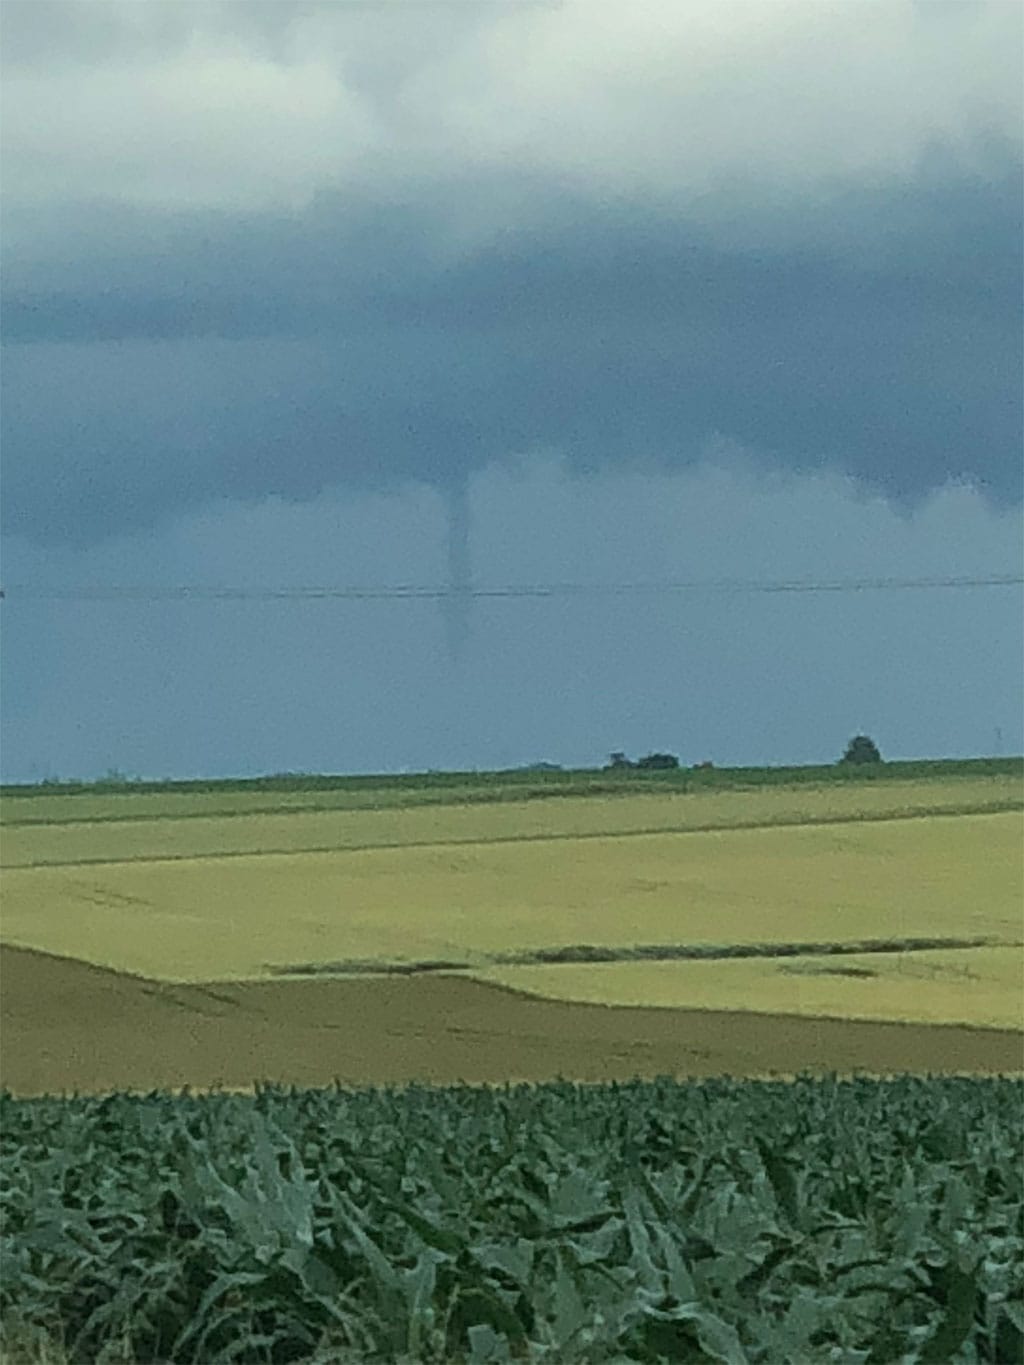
(542,778)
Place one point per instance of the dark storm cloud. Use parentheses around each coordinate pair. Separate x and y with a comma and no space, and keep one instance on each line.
(184,359)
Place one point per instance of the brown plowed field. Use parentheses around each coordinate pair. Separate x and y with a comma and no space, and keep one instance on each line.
(66,1025)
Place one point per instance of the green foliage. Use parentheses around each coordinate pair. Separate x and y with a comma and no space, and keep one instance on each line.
(361,791)
(745,1223)
(619,763)
(658,762)
(861,749)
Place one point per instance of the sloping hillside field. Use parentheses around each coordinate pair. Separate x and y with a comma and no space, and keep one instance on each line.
(482,929)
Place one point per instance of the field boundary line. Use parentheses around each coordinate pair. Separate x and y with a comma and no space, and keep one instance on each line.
(590,954)
(426,798)
(860,1021)
(740,826)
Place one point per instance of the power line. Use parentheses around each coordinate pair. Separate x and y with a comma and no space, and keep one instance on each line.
(420,592)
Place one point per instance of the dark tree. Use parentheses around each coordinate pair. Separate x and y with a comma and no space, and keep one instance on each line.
(861,749)
(658,761)
(619,760)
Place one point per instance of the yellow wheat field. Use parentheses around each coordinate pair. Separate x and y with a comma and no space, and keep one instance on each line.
(238,917)
(190,835)
(983,987)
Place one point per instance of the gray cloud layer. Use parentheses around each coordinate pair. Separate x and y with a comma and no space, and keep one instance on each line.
(246,359)
(433,246)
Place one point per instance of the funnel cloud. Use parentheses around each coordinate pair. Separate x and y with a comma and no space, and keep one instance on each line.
(457,603)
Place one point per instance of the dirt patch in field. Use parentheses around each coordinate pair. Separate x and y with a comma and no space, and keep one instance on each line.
(65,1025)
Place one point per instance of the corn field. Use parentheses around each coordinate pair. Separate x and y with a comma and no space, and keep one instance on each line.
(838,1220)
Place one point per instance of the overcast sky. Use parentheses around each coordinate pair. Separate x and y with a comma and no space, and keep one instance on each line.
(481,294)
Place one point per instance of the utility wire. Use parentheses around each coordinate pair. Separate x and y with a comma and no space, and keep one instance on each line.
(414,592)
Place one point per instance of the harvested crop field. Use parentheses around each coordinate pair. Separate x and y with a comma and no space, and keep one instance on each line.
(67,1026)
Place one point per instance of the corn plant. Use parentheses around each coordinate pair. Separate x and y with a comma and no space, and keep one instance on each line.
(852,1221)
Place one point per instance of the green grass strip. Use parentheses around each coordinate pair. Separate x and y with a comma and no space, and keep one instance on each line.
(641,952)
